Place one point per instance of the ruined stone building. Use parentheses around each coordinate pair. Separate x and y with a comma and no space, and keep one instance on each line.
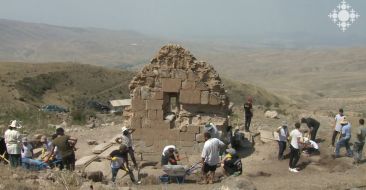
(173,97)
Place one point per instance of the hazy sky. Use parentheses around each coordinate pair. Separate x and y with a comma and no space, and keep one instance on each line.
(194,18)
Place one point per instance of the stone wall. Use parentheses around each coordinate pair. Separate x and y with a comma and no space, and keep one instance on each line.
(173,97)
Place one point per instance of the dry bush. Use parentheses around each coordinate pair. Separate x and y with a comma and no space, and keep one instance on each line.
(21,179)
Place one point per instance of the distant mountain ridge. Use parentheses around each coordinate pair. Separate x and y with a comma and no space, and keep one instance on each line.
(33,42)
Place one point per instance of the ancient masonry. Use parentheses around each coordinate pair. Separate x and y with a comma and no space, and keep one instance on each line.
(173,97)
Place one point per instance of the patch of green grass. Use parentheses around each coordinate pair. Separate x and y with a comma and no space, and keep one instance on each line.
(34,87)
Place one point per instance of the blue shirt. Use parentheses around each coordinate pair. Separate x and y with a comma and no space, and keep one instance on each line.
(346,131)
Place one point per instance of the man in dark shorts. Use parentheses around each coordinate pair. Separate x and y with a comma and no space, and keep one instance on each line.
(210,157)
(248,113)
(313,126)
(66,146)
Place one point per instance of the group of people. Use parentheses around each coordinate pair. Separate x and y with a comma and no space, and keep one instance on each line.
(342,129)
(210,158)
(119,157)
(170,155)
(60,150)
(305,140)
(296,141)
(57,152)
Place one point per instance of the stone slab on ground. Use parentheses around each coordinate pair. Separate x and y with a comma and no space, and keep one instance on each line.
(85,161)
(103,165)
(101,147)
(266,136)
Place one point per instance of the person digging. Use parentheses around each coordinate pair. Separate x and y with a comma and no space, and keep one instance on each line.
(119,161)
(126,139)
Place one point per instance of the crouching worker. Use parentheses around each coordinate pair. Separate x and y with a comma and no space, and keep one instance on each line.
(310,147)
(170,155)
(119,161)
(232,163)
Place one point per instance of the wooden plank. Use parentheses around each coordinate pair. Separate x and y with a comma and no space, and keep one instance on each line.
(101,147)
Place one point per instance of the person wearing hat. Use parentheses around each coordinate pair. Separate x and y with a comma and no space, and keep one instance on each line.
(345,138)
(168,156)
(232,163)
(248,113)
(126,139)
(13,144)
(337,126)
(282,139)
(119,160)
(212,129)
(66,146)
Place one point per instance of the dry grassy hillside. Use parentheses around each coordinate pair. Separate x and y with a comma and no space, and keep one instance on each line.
(320,78)
(315,76)
(24,87)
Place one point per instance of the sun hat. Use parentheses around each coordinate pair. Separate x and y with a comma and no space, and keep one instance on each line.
(15,124)
(124,129)
(24,139)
